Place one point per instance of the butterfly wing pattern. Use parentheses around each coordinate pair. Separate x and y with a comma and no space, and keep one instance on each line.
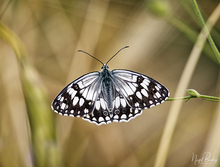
(109,96)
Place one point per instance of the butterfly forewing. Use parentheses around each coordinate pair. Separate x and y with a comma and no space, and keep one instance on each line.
(140,91)
(78,98)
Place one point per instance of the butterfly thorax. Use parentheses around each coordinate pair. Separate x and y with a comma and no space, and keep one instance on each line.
(108,87)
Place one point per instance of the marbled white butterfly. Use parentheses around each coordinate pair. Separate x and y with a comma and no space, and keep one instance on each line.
(109,96)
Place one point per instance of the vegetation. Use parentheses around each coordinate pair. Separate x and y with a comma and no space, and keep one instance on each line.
(38,56)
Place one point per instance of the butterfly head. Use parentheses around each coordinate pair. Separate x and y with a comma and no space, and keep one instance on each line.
(104,67)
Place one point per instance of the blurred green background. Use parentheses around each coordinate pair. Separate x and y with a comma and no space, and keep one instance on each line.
(161,35)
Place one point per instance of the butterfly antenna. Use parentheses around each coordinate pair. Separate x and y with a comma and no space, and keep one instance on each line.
(91,56)
(117,53)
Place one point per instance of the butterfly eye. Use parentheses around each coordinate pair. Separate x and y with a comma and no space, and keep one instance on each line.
(104,67)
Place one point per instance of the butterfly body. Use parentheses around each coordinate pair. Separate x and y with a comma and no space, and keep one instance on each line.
(109,96)
(107,87)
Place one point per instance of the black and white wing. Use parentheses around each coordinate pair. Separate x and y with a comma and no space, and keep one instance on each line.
(77,99)
(131,92)
(138,90)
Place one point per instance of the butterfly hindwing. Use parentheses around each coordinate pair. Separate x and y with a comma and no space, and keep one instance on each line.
(121,111)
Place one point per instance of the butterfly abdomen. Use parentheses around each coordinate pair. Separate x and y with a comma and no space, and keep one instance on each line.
(108,89)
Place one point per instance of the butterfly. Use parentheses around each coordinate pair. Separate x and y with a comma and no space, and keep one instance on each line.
(109,96)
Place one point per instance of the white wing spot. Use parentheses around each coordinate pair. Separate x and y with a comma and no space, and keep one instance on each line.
(97,105)
(136,104)
(86,111)
(159,86)
(75,100)
(101,119)
(158,94)
(81,102)
(117,102)
(123,116)
(144,92)
(152,105)
(80,84)
(70,90)
(144,86)
(138,94)
(73,94)
(116,117)
(134,78)
(123,102)
(62,106)
(59,97)
(108,122)
(146,81)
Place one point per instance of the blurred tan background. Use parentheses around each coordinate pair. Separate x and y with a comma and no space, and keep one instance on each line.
(161,35)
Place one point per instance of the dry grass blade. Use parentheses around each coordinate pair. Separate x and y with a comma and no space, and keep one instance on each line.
(212,142)
(39,113)
(182,86)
